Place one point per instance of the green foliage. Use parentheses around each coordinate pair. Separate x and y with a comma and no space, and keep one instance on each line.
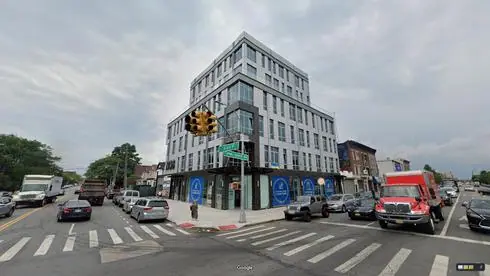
(437,176)
(105,167)
(483,177)
(71,178)
(20,156)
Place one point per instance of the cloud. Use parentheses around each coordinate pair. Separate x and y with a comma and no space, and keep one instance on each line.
(408,78)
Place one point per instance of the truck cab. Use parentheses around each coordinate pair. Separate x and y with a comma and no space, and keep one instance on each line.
(38,190)
(410,197)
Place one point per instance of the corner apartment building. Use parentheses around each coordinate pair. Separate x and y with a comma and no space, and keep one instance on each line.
(360,161)
(288,141)
(392,165)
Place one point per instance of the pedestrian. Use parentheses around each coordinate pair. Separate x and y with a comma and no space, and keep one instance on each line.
(194,208)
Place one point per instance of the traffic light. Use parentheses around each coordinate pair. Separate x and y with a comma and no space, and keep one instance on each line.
(211,123)
(191,122)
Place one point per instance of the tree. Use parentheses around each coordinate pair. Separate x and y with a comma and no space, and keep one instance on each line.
(483,177)
(105,167)
(71,178)
(437,176)
(20,156)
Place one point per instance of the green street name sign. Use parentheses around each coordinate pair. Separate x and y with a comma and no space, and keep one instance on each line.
(236,155)
(228,147)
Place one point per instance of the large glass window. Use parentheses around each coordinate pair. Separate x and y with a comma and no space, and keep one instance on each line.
(240,91)
(246,121)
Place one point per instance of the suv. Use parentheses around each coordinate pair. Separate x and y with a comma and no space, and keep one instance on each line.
(306,206)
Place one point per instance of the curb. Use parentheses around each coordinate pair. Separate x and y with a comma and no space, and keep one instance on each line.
(229,227)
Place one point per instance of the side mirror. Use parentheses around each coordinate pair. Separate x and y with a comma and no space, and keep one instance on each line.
(418,199)
(464,204)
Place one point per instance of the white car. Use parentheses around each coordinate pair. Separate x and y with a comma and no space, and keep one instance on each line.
(469,188)
(128,204)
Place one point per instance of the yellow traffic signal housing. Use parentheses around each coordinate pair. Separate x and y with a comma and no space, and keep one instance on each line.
(211,123)
(191,122)
(201,124)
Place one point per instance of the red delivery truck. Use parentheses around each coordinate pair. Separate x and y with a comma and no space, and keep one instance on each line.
(410,197)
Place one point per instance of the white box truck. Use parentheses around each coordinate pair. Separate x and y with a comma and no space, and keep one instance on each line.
(38,190)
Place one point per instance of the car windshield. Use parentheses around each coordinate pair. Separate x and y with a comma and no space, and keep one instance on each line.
(34,187)
(336,197)
(400,191)
(366,203)
(157,203)
(480,204)
(447,189)
(303,199)
(77,203)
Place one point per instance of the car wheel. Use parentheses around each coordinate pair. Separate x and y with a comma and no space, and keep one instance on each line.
(307,217)
(430,227)
(343,209)
(325,212)
(350,216)
(10,213)
(288,217)
(383,224)
(59,218)
(89,217)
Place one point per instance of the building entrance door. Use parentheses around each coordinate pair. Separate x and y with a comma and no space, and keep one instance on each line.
(237,198)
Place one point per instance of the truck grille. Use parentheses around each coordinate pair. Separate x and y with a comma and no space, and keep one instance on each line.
(400,208)
(292,208)
(28,196)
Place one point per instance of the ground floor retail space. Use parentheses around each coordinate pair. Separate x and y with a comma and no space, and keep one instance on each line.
(261,191)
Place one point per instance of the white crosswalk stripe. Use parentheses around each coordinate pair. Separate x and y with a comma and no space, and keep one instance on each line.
(7,256)
(114,236)
(306,246)
(331,251)
(149,231)
(69,244)
(439,266)
(178,229)
(163,230)
(396,262)
(358,258)
(250,233)
(290,241)
(275,238)
(133,234)
(240,231)
(93,239)
(465,218)
(45,245)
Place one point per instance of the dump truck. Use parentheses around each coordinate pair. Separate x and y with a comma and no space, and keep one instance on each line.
(93,190)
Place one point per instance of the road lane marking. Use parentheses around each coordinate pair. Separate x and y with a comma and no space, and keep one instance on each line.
(267,234)
(463,218)
(114,236)
(163,230)
(252,232)
(448,220)
(275,246)
(240,231)
(93,239)
(45,245)
(371,223)
(149,232)
(275,238)
(358,258)
(70,242)
(464,226)
(330,251)
(306,246)
(70,233)
(9,254)
(17,219)
(133,234)
(182,231)
(396,262)
(408,233)
(439,267)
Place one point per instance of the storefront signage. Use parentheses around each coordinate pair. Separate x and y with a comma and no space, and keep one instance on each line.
(280,191)
(308,186)
(196,187)
(329,186)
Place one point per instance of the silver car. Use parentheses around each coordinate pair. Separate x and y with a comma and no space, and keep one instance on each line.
(126,194)
(129,203)
(150,209)
(7,206)
(340,202)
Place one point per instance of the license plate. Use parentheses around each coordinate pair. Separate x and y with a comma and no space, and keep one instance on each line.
(357,214)
(78,211)
(399,221)
(292,212)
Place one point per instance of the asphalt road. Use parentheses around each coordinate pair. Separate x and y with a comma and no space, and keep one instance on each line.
(38,245)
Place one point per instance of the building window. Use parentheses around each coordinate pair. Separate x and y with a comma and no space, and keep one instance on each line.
(210,156)
(281,130)
(325,146)
(330,160)
(217,156)
(264,100)
(287,74)
(240,91)
(295,160)
(285,158)
(274,68)
(310,167)
(263,60)
(238,54)
(198,160)
(261,126)
(305,165)
(282,87)
(307,138)
(306,117)
(332,131)
(281,71)
(266,156)
(313,117)
(173,147)
(292,112)
(321,124)
(326,163)
(300,114)
(316,141)
(245,122)
(292,135)
(330,144)
(269,64)
(180,143)
(282,107)
(296,81)
(275,155)
(334,146)
(190,162)
(290,91)
(274,104)
(336,165)
(318,163)
(271,129)
(301,138)
(218,107)
(251,71)
(302,84)
(251,54)
(268,79)
(185,141)
(221,128)
(276,84)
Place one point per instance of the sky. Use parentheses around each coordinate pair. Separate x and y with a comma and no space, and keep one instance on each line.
(408,78)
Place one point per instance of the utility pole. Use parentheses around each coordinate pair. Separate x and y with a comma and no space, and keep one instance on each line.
(243,217)
(115,175)
(126,169)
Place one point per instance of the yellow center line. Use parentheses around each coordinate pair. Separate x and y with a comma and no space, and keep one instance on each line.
(21,217)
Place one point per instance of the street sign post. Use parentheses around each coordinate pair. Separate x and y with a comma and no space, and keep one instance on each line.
(228,147)
(236,155)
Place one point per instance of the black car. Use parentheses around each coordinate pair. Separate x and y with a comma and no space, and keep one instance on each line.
(448,200)
(74,209)
(362,208)
(478,213)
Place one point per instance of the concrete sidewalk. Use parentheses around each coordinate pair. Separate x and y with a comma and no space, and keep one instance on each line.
(222,220)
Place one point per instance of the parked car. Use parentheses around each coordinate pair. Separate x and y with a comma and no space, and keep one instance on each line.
(449,191)
(129,203)
(478,213)
(362,209)
(7,206)
(340,202)
(446,198)
(124,195)
(150,209)
(5,194)
(74,209)
(306,206)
